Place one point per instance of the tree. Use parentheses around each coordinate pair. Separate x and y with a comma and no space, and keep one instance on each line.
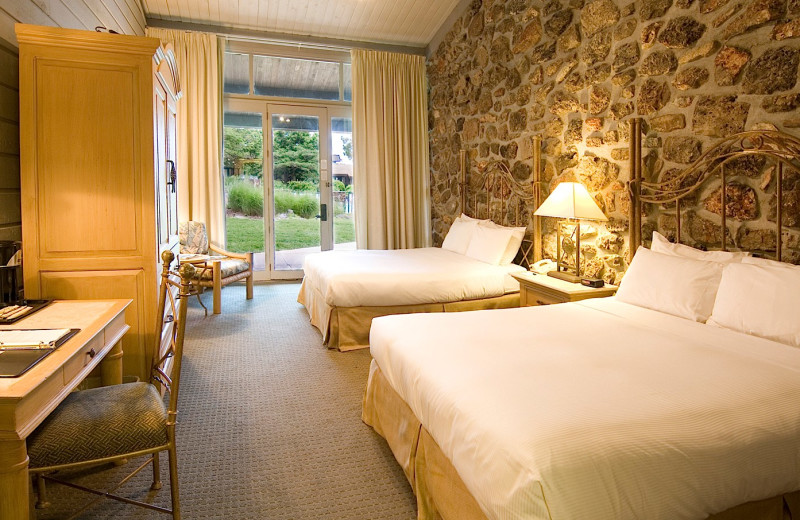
(243,143)
(347,147)
(296,155)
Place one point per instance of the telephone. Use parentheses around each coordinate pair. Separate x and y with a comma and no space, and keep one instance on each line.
(543,266)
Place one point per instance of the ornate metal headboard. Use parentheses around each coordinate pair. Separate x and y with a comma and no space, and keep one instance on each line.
(783,150)
(497,196)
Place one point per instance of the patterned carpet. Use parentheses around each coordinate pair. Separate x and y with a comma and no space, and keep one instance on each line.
(269,425)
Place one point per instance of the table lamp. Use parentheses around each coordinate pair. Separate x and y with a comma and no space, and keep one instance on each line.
(570,201)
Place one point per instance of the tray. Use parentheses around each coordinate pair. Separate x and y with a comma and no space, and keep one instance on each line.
(36,305)
(14,363)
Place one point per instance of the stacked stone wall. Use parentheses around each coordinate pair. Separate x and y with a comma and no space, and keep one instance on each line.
(576,72)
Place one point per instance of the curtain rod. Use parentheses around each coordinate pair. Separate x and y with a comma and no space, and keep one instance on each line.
(285,39)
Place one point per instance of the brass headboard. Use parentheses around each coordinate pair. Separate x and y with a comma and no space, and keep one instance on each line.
(783,149)
(497,196)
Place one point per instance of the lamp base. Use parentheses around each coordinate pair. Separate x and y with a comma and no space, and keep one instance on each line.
(563,275)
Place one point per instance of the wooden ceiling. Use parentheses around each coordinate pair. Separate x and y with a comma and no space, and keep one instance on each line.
(396,22)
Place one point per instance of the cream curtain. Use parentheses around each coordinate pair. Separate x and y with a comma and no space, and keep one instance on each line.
(390,144)
(199,128)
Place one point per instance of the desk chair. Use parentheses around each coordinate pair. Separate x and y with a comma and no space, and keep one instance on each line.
(114,423)
(213,270)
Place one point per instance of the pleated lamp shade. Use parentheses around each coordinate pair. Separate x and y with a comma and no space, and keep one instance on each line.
(570,200)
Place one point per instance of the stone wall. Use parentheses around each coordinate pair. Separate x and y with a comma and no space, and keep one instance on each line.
(577,71)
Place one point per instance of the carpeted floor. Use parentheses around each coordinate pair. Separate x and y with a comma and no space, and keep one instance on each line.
(269,425)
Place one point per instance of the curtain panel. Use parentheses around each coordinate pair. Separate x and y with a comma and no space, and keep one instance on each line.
(200,194)
(390,143)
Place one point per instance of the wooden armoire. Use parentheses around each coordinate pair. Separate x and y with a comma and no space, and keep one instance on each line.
(98,173)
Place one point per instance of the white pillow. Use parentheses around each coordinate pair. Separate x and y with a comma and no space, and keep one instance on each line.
(518,233)
(662,245)
(459,236)
(467,218)
(769,263)
(759,300)
(489,244)
(672,284)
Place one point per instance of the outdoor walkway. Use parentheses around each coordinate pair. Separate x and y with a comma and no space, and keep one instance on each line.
(292,259)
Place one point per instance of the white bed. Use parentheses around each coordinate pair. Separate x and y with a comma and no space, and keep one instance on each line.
(632,414)
(406,280)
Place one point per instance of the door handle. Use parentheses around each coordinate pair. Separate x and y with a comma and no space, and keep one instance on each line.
(172,175)
(323,212)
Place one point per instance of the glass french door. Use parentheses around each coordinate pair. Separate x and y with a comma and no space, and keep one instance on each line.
(278,184)
(301,187)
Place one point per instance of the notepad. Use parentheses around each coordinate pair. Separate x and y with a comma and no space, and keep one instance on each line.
(34,338)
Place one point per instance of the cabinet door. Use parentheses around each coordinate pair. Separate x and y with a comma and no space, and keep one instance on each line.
(161,164)
(172,155)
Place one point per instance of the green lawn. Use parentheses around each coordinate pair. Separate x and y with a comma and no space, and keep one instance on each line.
(247,234)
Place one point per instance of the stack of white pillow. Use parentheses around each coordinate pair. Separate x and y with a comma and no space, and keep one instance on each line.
(484,240)
(732,290)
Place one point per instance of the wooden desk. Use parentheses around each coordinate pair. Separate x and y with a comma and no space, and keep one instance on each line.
(27,400)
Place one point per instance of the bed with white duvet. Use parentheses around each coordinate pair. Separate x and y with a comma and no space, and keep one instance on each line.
(344,290)
(607,409)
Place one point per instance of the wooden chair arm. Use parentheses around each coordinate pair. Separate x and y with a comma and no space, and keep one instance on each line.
(241,256)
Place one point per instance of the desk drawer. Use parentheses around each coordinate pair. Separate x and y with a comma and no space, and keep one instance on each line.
(83,358)
(533,298)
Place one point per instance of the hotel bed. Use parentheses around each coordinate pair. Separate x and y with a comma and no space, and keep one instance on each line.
(344,290)
(676,399)
(632,414)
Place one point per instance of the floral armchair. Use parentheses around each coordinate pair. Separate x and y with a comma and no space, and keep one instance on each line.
(215,266)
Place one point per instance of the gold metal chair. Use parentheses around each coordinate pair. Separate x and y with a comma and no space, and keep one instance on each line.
(216,267)
(115,423)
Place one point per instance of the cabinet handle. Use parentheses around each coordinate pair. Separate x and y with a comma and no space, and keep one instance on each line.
(91,354)
(172,175)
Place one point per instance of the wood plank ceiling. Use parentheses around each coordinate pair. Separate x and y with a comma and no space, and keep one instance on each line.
(396,22)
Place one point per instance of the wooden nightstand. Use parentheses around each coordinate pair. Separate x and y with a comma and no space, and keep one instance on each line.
(540,289)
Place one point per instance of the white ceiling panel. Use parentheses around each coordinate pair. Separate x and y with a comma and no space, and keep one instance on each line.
(396,22)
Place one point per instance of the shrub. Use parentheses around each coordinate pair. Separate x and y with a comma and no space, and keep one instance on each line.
(306,205)
(338,185)
(246,198)
(302,186)
(283,201)
(249,200)
(302,204)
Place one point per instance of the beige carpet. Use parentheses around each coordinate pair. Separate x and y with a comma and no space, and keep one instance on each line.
(269,425)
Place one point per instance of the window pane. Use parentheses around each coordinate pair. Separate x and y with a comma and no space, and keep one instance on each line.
(295,170)
(237,73)
(348,82)
(287,77)
(342,158)
(243,144)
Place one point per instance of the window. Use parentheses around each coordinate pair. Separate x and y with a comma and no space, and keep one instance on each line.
(288,77)
(347,78)
(237,73)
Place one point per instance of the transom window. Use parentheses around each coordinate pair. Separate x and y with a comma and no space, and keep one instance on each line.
(250,73)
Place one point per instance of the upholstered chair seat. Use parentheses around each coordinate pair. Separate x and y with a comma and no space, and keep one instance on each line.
(227,268)
(99,423)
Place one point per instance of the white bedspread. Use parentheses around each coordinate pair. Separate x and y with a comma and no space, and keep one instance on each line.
(404,277)
(598,409)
